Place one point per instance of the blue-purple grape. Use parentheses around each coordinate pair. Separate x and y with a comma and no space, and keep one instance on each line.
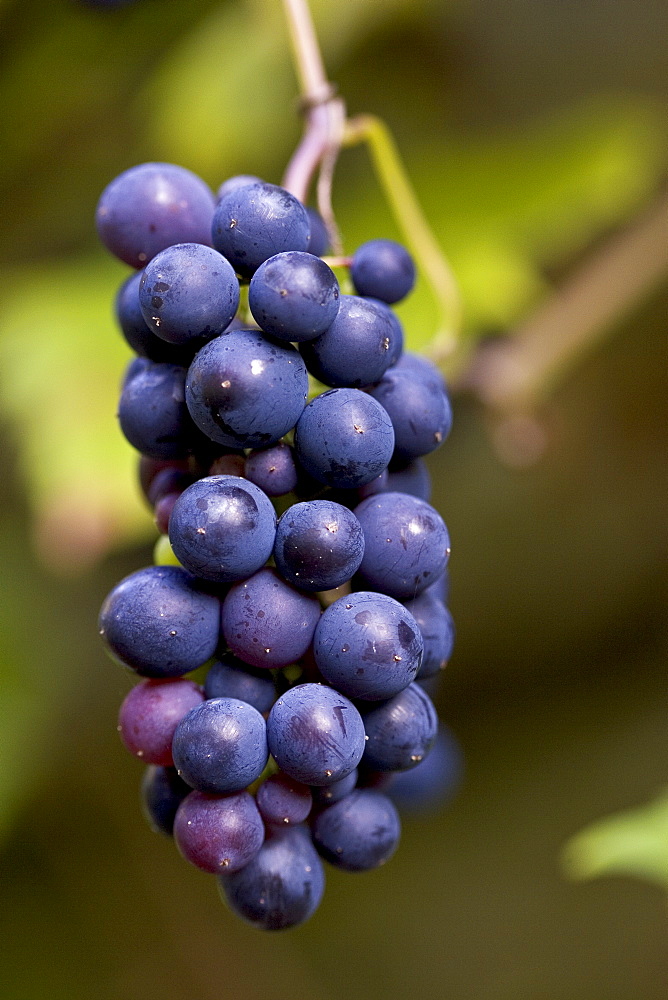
(159,622)
(222,528)
(253,222)
(229,677)
(136,331)
(319,545)
(344,438)
(357,348)
(294,296)
(368,646)
(358,833)
(266,622)
(162,792)
(220,746)
(153,414)
(150,207)
(245,391)
(419,410)
(315,734)
(406,544)
(188,293)
(282,886)
(401,731)
(438,632)
(273,469)
(282,800)
(383,269)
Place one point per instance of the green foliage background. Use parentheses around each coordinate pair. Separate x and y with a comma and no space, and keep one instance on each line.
(530,131)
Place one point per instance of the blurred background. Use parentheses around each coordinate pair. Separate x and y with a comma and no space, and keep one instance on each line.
(535,134)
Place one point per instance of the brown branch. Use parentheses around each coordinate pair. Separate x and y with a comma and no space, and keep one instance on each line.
(516,374)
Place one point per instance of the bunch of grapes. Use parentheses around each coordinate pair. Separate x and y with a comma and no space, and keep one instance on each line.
(316,631)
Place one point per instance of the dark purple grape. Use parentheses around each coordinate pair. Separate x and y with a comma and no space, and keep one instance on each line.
(383,269)
(420,412)
(357,348)
(220,746)
(319,242)
(344,438)
(153,414)
(329,794)
(148,469)
(218,833)
(438,632)
(319,545)
(401,731)
(358,833)
(406,544)
(294,296)
(162,792)
(160,623)
(222,528)
(425,369)
(282,886)
(188,293)
(368,646)
(253,222)
(169,480)
(268,623)
(245,391)
(430,785)
(151,712)
(282,800)
(232,183)
(150,207)
(230,677)
(273,470)
(440,588)
(410,477)
(139,336)
(315,734)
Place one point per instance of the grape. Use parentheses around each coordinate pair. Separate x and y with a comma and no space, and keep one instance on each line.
(344,438)
(282,800)
(150,207)
(421,367)
(218,832)
(222,528)
(188,293)
(239,180)
(273,470)
(268,623)
(151,712)
(329,794)
(139,336)
(245,391)
(253,222)
(283,884)
(358,347)
(358,833)
(148,469)
(401,731)
(152,412)
(410,476)
(159,622)
(434,781)
(315,734)
(438,632)
(419,410)
(319,243)
(368,646)
(294,296)
(406,544)
(319,545)
(162,792)
(221,745)
(229,677)
(169,480)
(383,269)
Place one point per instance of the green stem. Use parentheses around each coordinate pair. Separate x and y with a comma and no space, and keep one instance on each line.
(413,224)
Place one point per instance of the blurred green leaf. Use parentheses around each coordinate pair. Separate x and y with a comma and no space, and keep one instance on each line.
(61,360)
(628,843)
